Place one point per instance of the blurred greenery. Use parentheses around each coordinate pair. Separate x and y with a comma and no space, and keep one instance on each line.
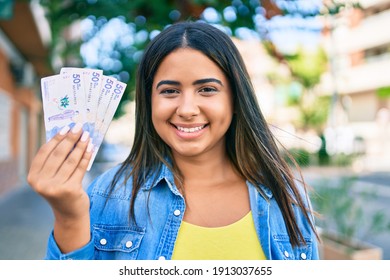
(383,92)
(143,19)
(301,156)
(347,211)
(308,66)
(6,9)
(305,158)
(314,113)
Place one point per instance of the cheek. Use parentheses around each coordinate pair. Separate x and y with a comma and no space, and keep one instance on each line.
(222,111)
(161,111)
(156,113)
(156,107)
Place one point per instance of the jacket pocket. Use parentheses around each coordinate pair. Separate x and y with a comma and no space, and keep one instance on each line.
(285,251)
(117,242)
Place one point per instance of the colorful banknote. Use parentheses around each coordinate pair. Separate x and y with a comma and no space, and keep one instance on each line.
(80,95)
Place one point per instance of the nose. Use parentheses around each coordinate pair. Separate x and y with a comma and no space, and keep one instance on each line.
(187,107)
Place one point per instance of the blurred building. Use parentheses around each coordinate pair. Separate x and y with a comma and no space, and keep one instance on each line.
(259,63)
(23,60)
(358,44)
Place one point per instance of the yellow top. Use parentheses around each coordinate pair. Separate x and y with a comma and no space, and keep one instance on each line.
(237,241)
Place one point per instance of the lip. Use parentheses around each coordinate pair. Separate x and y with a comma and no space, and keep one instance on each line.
(189,131)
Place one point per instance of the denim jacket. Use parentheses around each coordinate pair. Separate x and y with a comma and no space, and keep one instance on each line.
(159,209)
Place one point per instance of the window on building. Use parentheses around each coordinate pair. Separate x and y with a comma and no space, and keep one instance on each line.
(374,10)
(377,53)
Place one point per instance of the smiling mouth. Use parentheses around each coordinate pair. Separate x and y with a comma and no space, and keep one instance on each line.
(190,129)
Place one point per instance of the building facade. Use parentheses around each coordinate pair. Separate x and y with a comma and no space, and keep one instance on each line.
(359,47)
(23,60)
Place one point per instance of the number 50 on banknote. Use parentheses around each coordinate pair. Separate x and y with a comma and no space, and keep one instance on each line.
(80,95)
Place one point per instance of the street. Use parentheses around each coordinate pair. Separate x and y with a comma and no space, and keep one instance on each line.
(26,219)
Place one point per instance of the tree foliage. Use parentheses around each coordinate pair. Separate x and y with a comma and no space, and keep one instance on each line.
(144,18)
(307,66)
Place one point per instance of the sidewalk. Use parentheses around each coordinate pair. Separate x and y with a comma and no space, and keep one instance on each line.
(26,221)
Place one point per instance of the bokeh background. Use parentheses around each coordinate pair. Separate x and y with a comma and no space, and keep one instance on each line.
(320,70)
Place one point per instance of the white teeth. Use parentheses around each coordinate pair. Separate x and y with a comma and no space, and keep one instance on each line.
(190,130)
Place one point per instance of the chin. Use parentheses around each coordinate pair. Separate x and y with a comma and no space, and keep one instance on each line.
(188,152)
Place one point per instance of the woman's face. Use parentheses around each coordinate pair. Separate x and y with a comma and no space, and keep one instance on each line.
(192,104)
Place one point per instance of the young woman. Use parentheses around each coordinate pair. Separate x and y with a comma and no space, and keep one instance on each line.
(204,179)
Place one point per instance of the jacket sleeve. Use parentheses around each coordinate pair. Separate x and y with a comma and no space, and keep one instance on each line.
(54,253)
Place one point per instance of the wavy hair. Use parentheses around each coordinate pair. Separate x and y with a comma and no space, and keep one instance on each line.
(250,144)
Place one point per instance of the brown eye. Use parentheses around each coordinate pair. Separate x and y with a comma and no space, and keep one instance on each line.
(208,90)
(169,91)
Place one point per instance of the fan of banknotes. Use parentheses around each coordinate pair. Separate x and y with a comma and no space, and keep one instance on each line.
(80,95)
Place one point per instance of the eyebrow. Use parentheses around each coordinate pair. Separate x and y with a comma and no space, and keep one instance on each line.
(197,82)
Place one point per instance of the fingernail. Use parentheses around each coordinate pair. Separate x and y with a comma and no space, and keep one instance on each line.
(89,147)
(85,136)
(77,127)
(64,130)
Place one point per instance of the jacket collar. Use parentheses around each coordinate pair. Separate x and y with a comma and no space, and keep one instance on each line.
(166,174)
(163,173)
(264,191)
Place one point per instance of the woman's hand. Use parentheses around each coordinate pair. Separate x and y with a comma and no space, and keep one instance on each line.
(56,174)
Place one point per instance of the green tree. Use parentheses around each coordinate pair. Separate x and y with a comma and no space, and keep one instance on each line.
(144,18)
(307,68)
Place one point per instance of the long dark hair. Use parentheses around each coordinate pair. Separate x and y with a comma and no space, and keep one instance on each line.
(250,144)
